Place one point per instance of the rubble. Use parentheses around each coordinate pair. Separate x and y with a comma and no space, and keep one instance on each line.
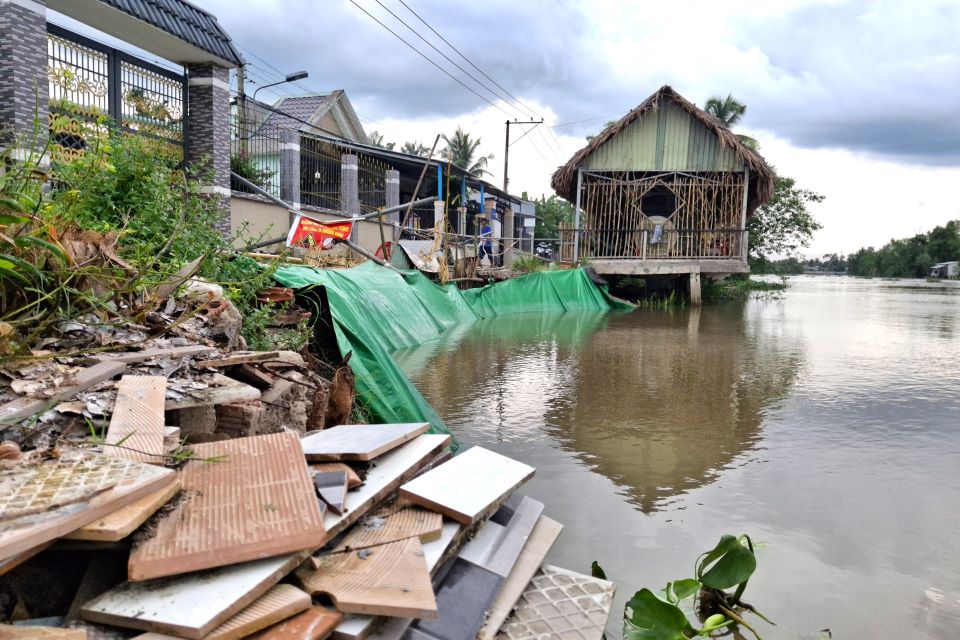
(159,480)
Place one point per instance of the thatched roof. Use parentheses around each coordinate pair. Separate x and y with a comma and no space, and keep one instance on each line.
(762,176)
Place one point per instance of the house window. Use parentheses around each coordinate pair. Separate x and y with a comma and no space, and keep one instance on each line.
(659,201)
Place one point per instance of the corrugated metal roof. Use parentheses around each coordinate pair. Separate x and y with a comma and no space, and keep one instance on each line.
(185,21)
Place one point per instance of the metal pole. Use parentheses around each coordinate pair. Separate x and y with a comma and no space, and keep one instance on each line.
(506,159)
(576,219)
(423,173)
(369,256)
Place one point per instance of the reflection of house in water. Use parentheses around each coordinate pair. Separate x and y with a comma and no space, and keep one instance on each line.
(657,402)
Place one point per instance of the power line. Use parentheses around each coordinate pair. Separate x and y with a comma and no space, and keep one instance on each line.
(446,57)
(422,55)
(567,124)
(470,62)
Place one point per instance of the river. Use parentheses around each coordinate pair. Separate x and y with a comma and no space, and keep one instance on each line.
(825,423)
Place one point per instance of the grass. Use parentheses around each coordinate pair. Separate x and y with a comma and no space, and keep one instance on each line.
(529,264)
(740,288)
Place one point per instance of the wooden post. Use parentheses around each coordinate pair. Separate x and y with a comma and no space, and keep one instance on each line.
(695,299)
(576,218)
(745,239)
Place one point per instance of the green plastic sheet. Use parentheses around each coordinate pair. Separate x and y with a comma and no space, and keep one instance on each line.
(376,311)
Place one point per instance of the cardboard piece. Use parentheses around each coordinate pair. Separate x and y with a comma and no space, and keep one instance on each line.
(560,604)
(544,534)
(454,490)
(254,500)
(41,501)
(190,606)
(316,623)
(121,523)
(136,425)
(391,580)
(358,441)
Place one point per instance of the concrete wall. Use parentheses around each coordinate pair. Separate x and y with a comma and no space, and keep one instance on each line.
(273,221)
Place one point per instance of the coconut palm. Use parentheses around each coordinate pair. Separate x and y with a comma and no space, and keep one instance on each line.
(729,110)
(461,150)
(377,140)
(415,148)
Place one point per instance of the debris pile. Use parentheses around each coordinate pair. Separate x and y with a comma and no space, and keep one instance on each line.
(173,484)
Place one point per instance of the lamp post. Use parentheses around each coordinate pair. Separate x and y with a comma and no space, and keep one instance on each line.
(291,77)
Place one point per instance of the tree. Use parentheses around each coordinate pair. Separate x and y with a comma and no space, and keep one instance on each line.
(609,124)
(415,148)
(909,257)
(550,213)
(729,111)
(376,139)
(461,150)
(784,225)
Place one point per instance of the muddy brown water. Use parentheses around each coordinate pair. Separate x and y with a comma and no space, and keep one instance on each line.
(825,424)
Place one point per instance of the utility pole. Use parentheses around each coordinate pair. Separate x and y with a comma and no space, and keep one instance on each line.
(242,109)
(506,148)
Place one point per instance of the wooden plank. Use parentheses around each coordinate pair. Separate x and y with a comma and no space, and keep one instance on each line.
(538,545)
(560,604)
(24,632)
(390,580)
(25,407)
(190,606)
(137,421)
(316,623)
(406,523)
(132,357)
(119,524)
(358,441)
(256,500)
(226,391)
(453,488)
(332,488)
(49,499)
(240,357)
(353,480)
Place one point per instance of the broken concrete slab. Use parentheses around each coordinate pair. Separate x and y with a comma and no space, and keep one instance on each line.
(224,390)
(136,430)
(245,499)
(453,489)
(501,554)
(192,605)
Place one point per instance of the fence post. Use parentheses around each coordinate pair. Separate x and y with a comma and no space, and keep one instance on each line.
(208,131)
(290,168)
(508,239)
(24,89)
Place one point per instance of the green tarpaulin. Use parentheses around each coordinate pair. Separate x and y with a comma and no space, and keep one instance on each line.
(376,311)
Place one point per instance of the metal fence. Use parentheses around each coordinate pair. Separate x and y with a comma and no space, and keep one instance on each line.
(255,145)
(92,86)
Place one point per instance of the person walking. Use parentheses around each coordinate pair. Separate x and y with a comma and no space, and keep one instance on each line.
(486,241)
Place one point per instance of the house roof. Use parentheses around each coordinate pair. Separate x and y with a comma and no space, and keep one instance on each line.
(564,179)
(298,110)
(184,21)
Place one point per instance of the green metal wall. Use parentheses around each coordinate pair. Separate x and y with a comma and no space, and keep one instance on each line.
(667,139)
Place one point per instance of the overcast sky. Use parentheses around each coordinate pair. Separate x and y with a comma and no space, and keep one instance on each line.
(857,100)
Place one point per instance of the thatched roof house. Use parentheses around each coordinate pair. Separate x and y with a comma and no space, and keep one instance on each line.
(667,182)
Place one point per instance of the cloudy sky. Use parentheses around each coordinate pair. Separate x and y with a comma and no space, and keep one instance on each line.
(857,100)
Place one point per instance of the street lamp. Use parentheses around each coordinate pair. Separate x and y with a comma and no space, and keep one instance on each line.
(291,77)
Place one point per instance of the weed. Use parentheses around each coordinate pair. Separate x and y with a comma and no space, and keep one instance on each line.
(528,264)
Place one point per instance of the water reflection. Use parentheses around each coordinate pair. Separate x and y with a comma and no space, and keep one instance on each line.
(658,402)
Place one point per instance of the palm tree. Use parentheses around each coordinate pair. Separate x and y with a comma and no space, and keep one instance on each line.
(414,148)
(729,110)
(460,151)
(376,139)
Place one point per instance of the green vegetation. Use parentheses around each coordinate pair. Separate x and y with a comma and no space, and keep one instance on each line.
(245,167)
(551,212)
(122,219)
(659,616)
(528,264)
(729,110)
(784,225)
(461,150)
(739,287)
(910,257)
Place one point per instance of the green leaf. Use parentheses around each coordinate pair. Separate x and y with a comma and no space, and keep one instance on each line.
(733,568)
(681,589)
(9,266)
(24,241)
(596,571)
(6,218)
(650,618)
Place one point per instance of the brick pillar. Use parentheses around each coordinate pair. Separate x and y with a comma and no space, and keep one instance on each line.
(349,185)
(290,168)
(208,131)
(23,72)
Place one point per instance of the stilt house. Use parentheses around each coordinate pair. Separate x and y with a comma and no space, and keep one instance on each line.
(665,190)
